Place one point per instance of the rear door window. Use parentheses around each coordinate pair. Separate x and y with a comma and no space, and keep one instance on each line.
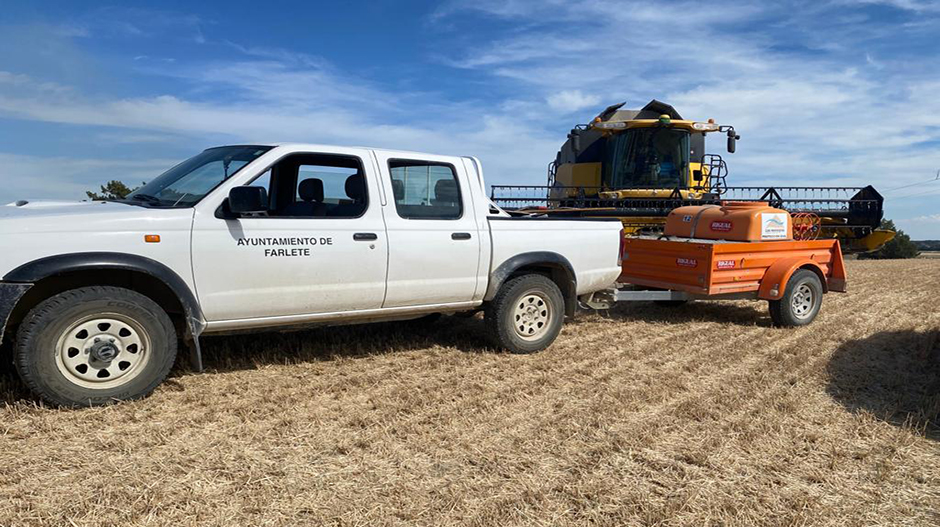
(425,190)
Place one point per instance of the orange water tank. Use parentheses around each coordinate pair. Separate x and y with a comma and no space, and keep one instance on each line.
(744,221)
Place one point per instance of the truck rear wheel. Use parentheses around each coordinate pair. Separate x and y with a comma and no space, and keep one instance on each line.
(526,315)
(95,345)
(801,300)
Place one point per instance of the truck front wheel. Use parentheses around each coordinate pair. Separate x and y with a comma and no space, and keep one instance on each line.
(801,300)
(95,345)
(526,315)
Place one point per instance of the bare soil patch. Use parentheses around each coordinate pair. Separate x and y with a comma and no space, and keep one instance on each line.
(645,415)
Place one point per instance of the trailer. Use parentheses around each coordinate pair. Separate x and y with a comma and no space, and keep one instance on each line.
(735,251)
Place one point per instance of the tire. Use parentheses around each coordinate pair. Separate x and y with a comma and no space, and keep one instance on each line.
(67,341)
(526,315)
(801,300)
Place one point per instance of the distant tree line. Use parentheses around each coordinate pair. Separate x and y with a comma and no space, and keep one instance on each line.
(900,247)
(928,245)
(117,190)
(113,189)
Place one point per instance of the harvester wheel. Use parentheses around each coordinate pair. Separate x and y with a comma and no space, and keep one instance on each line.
(801,300)
(526,315)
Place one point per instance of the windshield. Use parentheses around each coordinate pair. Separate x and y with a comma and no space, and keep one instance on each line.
(188,182)
(648,158)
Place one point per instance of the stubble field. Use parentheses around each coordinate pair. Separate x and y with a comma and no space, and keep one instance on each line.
(644,415)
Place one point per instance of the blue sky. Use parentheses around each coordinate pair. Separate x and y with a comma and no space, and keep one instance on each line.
(827,92)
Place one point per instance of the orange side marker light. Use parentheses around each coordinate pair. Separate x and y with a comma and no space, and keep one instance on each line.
(152,238)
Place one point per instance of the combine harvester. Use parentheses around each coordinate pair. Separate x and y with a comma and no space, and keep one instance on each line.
(639,165)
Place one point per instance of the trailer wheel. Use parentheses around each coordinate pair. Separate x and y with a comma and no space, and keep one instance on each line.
(526,315)
(95,345)
(801,300)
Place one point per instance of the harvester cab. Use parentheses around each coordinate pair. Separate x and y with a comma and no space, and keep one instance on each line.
(638,165)
(639,153)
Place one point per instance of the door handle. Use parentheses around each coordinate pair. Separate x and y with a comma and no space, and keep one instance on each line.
(460,236)
(365,236)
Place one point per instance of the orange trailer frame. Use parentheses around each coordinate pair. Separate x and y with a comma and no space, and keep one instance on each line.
(679,269)
(716,268)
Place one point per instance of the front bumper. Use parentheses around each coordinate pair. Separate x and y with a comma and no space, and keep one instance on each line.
(10,295)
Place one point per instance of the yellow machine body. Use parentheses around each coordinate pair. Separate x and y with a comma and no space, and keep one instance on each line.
(581,180)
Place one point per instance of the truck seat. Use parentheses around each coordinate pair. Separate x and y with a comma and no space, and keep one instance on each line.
(356,192)
(445,193)
(398,189)
(311,194)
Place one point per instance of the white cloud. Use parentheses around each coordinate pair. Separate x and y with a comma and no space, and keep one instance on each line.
(68,178)
(571,100)
(139,22)
(261,120)
(932,218)
(123,136)
(906,5)
(272,101)
(926,227)
(496,8)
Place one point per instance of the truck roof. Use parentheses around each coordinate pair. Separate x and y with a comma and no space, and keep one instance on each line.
(320,146)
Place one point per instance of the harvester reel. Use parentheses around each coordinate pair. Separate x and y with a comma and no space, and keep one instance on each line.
(806,226)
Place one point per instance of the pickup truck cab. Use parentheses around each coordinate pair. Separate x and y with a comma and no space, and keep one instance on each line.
(94,296)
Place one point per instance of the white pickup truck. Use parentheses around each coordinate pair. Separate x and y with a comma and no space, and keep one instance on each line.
(94,296)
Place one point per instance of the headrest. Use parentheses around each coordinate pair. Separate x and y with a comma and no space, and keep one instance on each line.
(398,188)
(445,190)
(354,187)
(311,190)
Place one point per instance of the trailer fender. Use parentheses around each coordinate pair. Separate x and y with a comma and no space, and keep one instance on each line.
(778,274)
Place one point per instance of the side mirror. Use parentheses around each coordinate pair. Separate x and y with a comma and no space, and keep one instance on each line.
(732,140)
(248,200)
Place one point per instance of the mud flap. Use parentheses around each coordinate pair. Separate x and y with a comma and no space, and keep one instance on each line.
(196,326)
(10,294)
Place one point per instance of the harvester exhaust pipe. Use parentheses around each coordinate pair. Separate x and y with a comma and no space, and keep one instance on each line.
(575,138)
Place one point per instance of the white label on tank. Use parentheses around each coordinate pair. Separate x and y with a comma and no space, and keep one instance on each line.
(773,225)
